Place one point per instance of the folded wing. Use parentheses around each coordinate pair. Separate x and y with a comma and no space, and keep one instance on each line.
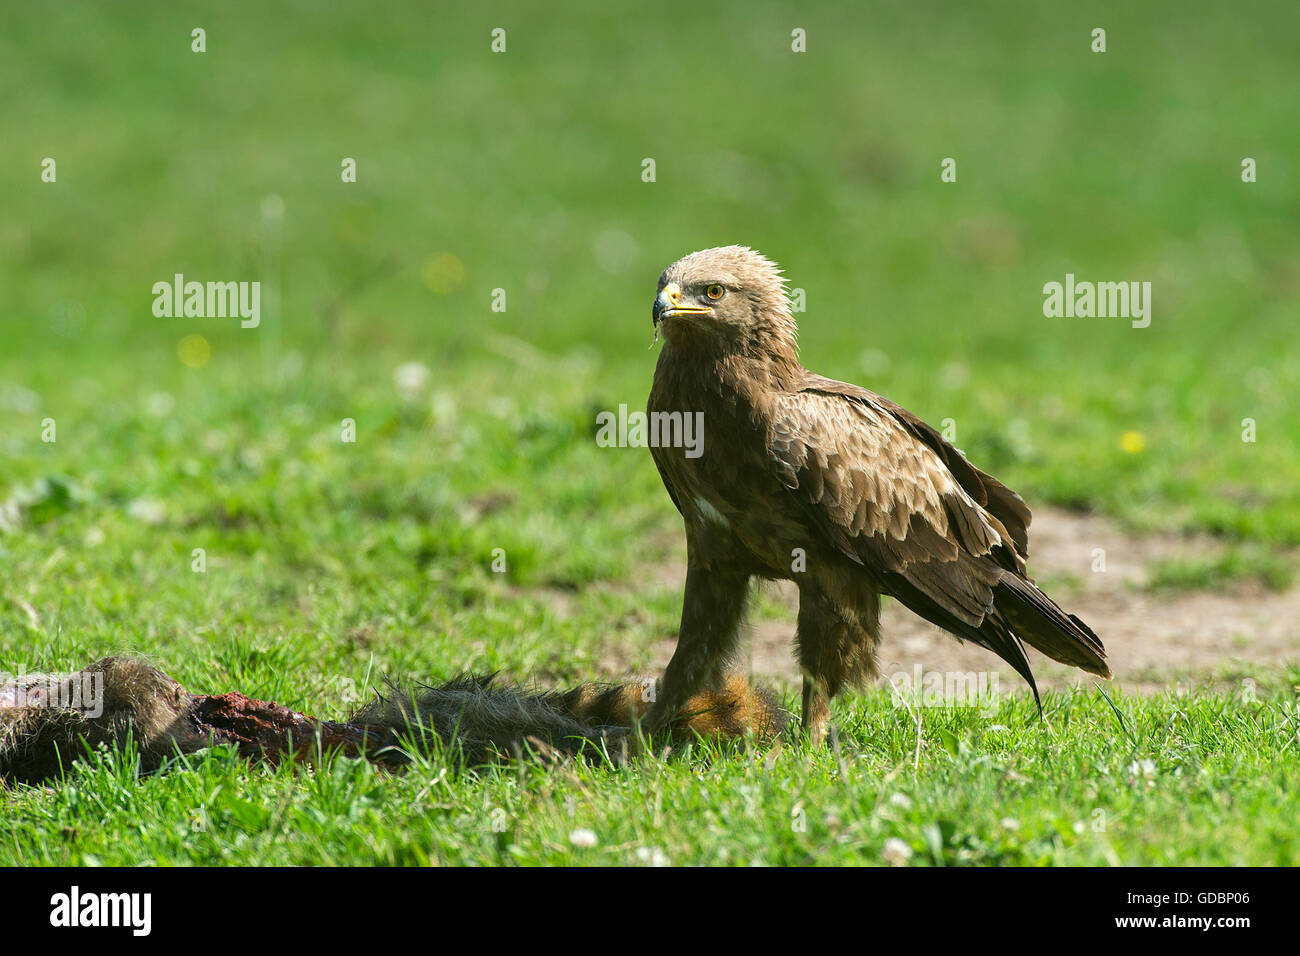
(947,540)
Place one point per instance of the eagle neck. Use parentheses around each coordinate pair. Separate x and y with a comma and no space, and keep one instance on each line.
(687,377)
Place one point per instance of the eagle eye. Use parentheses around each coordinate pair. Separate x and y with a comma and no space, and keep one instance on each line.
(715,292)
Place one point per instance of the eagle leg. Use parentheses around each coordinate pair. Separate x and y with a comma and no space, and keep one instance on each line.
(712,608)
(837,639)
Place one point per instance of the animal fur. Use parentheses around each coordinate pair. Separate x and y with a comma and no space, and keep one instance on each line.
(476,717)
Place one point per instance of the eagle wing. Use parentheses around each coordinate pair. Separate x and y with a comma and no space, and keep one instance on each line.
(949,541)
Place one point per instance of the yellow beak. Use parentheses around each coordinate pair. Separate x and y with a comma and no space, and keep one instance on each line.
(667,305)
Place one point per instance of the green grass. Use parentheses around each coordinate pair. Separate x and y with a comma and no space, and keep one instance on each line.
(1242,563)
(329,563)
(1145,783)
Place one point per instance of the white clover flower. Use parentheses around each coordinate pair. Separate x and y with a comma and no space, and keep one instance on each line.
(896,852)
(412,379)
(651,855)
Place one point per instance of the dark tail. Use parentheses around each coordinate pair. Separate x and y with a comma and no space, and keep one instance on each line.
(1038,621)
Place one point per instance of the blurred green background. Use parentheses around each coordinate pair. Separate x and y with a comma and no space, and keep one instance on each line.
(522,171)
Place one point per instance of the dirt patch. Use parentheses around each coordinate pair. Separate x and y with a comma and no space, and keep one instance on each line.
(1154,641)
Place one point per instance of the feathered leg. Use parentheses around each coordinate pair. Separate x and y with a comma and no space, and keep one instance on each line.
(837,638)
(712,608)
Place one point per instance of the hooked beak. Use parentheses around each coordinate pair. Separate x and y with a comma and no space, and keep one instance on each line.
(666,305)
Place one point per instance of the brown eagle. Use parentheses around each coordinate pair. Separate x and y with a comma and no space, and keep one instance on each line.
(828,485)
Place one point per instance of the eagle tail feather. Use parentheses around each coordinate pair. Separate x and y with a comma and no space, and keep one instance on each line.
(1040,622)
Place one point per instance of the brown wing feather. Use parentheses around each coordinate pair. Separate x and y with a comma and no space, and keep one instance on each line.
(1007,507)
(883,498)
(946,539)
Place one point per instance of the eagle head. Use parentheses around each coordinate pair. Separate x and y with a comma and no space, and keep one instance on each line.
(731,295)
